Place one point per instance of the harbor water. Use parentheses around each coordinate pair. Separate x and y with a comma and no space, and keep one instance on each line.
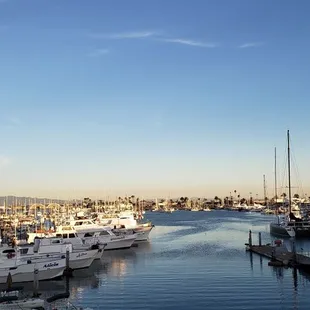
(195,260)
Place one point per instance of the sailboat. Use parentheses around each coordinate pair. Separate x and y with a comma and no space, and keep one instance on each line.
(288,225)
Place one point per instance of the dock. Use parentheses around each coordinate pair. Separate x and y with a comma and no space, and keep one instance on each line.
(278,254)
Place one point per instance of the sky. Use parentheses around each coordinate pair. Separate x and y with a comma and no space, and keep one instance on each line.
(154,98)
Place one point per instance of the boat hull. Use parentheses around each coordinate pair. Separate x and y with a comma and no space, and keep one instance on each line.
(31,303)
(120,243)
(302,232)
(290,231)
(143,233)
(82,259)
(25,273)
(279,230)
(99,254)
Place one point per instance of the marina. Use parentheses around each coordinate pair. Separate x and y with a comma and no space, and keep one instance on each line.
(189,258)
(154,155)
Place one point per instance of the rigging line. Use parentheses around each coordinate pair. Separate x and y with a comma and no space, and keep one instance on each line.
(298,178)
(284,170)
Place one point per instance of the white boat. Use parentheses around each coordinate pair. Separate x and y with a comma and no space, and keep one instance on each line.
(78,258)
(56,248)
(69,236)
(11,303)
(91,232)
(126,220)
(22,270)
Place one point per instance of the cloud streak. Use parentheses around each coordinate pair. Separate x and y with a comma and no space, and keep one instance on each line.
(191,43)
(124,35)
(99,52)
(251,44)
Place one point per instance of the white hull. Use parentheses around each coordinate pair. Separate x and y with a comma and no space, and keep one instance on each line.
(30,303)
(99,254)
(123,243)
(25,272)
(143,235)
(82,259)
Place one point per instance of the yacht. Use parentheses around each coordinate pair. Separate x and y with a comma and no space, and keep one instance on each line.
(56,248)
(22,269)
(91,232)
(78,258)
(126,223)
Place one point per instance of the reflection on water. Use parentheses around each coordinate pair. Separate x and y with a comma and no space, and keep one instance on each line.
(195,260)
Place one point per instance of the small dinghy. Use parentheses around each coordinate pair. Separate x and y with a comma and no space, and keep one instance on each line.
(10,300)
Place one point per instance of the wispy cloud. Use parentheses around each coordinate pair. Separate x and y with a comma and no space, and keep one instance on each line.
(191,42)
(251,44)
(13,120)
(99,52)
(4,161)
(125,35)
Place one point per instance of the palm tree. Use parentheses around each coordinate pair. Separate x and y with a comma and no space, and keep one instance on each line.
(283,196)
(251,201)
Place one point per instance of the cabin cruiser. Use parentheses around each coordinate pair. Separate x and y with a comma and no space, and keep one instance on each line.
(55,248)
(78,258)
(91,232)
(70,237)
(22,268)
(126,223)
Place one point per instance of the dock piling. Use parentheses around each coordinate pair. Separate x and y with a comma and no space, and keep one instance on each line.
(67,259)
(68,270)
(250,238)
(294,251)
(260,239)
(35,282)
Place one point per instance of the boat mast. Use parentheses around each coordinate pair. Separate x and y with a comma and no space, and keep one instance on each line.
(289,172)
(275,174)
(265,197)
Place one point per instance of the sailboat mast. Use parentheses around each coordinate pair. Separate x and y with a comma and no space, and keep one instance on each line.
(275,174)
(265,198)
(289,171)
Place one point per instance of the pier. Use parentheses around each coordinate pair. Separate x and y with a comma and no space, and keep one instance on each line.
(278,254)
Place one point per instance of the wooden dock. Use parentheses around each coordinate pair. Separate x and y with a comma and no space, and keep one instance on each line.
(279,255)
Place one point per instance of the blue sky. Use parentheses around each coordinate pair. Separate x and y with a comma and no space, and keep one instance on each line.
(151,97)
